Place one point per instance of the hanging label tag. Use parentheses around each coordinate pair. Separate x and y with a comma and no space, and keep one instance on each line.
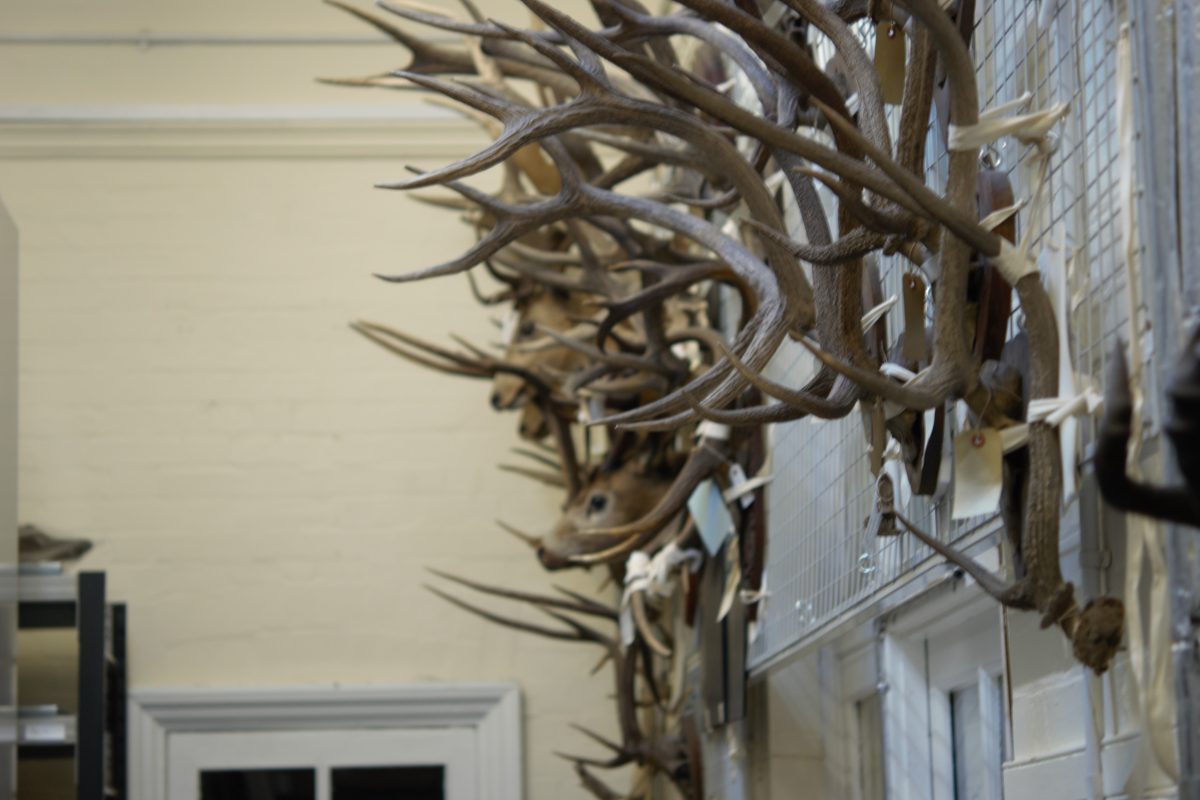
(737,479)
(595,408)
(914,318)
(889,61)
(977,472)
(713,520)
(508,326)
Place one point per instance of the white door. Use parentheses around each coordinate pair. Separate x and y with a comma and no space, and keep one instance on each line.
(320,759)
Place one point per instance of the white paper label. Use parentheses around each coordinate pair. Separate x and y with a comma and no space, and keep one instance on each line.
(508,326)
(737,480)
(713,521)
(977,472)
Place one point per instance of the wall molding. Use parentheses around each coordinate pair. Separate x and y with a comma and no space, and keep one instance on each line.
(492,710)
(339,132)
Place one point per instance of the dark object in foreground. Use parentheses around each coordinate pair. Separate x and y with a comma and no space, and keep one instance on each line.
(1178,504)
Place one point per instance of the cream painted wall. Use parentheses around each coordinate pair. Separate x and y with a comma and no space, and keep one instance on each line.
(264,487)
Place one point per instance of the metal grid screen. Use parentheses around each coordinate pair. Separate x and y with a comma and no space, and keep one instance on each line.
(820,562)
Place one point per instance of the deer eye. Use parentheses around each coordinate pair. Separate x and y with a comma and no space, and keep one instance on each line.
(526,329)
(597,502)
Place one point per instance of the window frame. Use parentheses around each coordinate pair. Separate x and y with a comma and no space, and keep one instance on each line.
(491,711)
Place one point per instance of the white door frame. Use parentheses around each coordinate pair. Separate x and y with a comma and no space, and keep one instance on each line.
(493,711)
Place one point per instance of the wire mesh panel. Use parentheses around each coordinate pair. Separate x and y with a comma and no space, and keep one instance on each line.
(820,561)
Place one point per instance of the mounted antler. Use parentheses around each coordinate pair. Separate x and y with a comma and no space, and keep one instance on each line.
(665,753)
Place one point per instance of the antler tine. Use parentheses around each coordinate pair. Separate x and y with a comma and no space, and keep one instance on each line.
(620,310)
(379,81)
(458,365)
(591,609)
(414,13)
(654,153)
(984,577)
(527,538)
(427,57)
(595,737)
(851,247)
(619,360)
(554,479)
(585,632)
(451,202)
(431,58)
(503,296)
(752,415)
(831,407)
(588,71)
(712,203)
(528,627)
(582,599)
(478,353)
(641,621)
(612,763)
(549,277)
(596,786)
(512,222)
(536,456)
(549,258)
(928,390)
(599,665)
(850,199)
(367,328)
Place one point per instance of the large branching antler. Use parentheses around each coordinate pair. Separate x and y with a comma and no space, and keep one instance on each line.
(784,297)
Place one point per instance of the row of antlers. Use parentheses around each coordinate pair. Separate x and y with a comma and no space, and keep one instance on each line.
(633,186)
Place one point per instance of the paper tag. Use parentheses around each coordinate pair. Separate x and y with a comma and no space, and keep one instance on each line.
(914,318)
(977,472)
(737,479)
(889,61)
(713,430)
(713,521)
(733,579)
(45,732)
(595,407)
(508,326)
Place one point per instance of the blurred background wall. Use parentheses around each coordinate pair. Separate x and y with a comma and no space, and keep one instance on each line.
(264,488)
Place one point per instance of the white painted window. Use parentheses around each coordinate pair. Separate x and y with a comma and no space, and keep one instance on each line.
(314,758)
(308,742)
